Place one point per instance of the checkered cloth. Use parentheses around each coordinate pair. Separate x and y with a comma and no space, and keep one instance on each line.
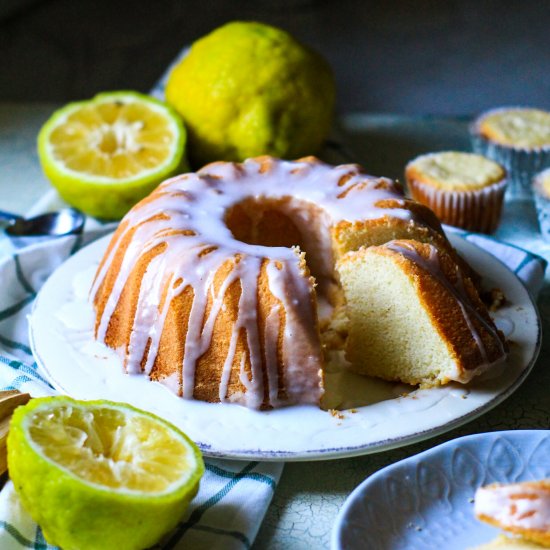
(233,495)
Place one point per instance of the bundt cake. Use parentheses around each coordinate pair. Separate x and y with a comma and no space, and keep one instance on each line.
(521,508)
(205,287)
(414,316)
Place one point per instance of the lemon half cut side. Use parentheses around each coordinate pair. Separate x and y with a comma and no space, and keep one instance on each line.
(99,474)
(105,154)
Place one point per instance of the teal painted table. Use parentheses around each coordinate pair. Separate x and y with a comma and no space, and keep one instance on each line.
(310,494)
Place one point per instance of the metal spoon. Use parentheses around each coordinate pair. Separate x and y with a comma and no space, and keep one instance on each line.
(67,221)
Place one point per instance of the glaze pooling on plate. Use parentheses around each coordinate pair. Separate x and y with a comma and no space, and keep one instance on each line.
(384,417)
(427,501)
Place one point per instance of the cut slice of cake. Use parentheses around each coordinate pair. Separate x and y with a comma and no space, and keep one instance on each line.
(414,316)
(520,508)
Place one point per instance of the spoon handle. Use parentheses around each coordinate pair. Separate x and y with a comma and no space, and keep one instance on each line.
(9,216)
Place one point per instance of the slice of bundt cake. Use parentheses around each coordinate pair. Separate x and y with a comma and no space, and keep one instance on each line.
(414,316)
(520,508)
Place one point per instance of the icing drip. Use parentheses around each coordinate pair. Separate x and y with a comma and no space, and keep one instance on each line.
(458,290)
(180,234)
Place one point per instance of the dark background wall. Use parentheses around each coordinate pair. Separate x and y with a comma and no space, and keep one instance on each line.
(439,57)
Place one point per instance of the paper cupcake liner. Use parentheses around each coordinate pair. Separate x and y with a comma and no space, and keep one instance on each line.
(542,205)
(522,164)
(471,210)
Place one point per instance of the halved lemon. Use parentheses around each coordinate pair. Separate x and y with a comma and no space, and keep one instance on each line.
(105,154)
(97,474)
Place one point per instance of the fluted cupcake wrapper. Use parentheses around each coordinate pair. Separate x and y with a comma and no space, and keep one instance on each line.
(542,204)
(521,164)
(477,210)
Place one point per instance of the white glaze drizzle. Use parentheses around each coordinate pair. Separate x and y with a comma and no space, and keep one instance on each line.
(196,204)
(458,290)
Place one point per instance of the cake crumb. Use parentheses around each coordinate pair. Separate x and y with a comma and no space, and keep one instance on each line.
(471,500)
(494,299)
(353,411)
(336,414)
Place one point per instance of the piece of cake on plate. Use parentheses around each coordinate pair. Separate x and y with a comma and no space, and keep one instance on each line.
(519,508)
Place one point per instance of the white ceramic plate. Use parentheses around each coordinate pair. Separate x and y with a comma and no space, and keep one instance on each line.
(382,417)
(426,501)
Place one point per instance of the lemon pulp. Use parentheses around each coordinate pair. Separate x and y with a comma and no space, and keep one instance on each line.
(115,139)
(111,447)
(105,154)
(97,475)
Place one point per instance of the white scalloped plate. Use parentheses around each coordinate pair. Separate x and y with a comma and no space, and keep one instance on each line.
(426,501)
(61,339)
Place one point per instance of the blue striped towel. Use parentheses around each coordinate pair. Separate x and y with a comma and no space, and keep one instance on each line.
(233,495)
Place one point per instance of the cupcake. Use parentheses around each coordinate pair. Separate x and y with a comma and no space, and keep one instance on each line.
(463,189)
(519,139)
(541,190)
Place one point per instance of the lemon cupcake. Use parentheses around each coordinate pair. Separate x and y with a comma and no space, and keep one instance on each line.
(541,189)
(463,189)
(519,139)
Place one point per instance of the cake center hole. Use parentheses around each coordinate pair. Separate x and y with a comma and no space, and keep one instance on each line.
(287,222)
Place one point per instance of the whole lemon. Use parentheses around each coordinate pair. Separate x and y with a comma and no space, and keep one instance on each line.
(249,89)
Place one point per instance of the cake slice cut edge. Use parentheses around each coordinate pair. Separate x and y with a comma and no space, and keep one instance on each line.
(415,317)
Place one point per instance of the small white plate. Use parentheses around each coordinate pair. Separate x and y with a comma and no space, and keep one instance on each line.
(426,501)
(382,417)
